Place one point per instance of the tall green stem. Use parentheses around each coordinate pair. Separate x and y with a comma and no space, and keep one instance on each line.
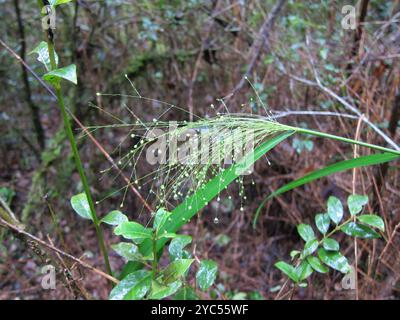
(78,162)
(331,136)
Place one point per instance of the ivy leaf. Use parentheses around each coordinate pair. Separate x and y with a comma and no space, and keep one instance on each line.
(133,287)
(133,231)
(127,250)
(114,218)
(322,221)
(287,269)
(373,221)
(310,247)
(356,202)
(304,270)
(66,73)
(177,244)
(43,56)
(334,260)
(206,274)
(176,269)
(159,291)
(316,264)
(360,231)
(330,244)
(306,232)
(335,209)
(81,206)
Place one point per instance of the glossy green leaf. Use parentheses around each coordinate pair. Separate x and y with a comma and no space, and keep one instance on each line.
(114,218)
(306,232)
(133,231)
(310,247)
(327,171)
(335,209)
(304,270)
(167,235)
(288,270)
(177,244)
(322,221)
(316,264)
(294,253)
(81,206)
(160,291)
(176,269)
(127,250)
(356,202)
(58,2)
(360,231)
(372,220)
(133,287)
(334,260)
(330,244)
(42,52)
(206,274)
(66,73)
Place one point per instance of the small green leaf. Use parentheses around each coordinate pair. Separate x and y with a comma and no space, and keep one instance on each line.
(176,269)
(360,231)
(114,218)
(306,232)
(287,269)
(206,274)
(316,264)
(66,73)
(133,287)
(373,221)
(186,293)
(43,54)
(159,291)
(310,248)
(356,202)
(81,206)
(294,253)
(304,270)
(334,260)
(133,231)
(177,244)
(330,244)
(160,218)
(322,221)
(335,209)
(127,250)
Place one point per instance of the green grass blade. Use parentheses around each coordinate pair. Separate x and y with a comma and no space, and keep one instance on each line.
(188,208)
(326,171)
